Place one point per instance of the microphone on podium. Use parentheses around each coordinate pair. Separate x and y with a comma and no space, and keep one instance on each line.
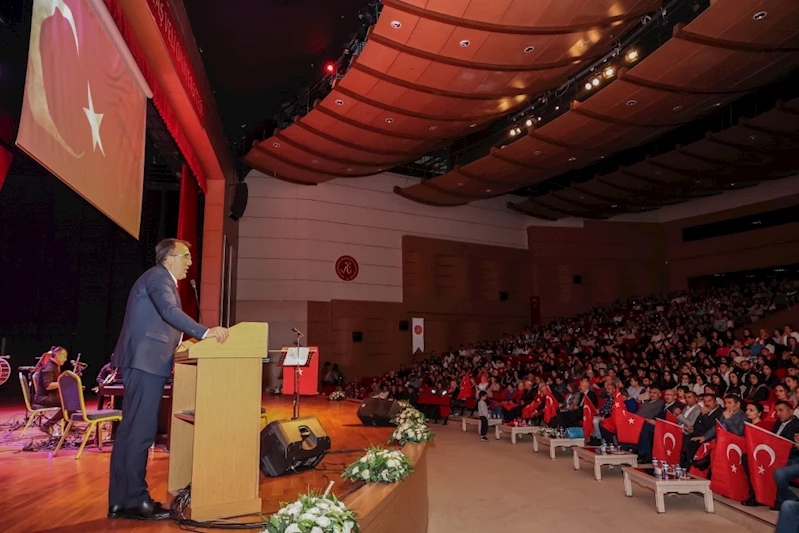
(298,332)
(196,299)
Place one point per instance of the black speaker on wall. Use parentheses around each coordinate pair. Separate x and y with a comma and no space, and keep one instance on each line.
(404,325)
(378,412)
(577,279)
(357,336)
(503,296)
(289,446)
(239,203)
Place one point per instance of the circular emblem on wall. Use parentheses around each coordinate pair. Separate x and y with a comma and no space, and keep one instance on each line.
(347,267)
(418,330)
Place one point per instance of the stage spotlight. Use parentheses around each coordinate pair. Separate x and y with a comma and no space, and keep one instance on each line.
(595,82)
(330,67)
(513,132)
(609,72)
(529,122)
(632,55)
(588,86)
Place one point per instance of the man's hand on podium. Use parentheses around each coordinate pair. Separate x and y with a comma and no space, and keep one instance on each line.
(219,333)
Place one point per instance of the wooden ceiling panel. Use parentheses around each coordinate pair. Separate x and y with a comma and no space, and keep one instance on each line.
(329,146)
(777,28)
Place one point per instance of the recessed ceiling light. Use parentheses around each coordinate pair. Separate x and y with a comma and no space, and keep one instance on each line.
(585,43)
(389,120)
(276,145)
(676,108)
(396,24)
(433,128)
(631,102)
(349,169)
(460,185)
(657,173)
(752,137)
(537,152)
(732,185)
(760,15)
(572,159)
(466,42)
(614,205)
(582,197)
(529,49)
(488,190)
(473,125)
(339,102)
(557,108)
(529,122)
(315,161)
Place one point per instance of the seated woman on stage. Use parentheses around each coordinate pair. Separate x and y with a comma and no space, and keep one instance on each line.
(47,384)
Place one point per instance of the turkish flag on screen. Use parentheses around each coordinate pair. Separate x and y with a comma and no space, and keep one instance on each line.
(628,426)
(729,478)
(83,112)
(667,441)
(550,406)
(766,452)
(588,417)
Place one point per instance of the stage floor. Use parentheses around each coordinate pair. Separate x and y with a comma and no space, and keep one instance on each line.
(42,493)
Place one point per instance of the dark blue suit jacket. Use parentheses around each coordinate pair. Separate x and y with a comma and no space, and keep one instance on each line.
(153,323)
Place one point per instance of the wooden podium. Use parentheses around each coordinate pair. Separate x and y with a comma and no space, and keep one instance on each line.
(216,410)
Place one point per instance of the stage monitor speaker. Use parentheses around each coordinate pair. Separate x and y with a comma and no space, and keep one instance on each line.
(239,203)
(289,446)
(378,412)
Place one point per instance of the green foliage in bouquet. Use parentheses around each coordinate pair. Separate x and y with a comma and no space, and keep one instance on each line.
(379,465)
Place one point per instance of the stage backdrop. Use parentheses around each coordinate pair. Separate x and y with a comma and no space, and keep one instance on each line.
(83,112)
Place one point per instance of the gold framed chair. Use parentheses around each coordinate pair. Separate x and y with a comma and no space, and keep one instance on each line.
(70,388)
(32,412)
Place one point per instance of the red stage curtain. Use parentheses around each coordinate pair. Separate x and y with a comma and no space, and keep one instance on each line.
(159,97)
(187,231)
(5,163)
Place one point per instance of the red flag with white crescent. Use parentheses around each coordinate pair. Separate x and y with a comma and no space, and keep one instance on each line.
(705,450)
(628,426)
(667,442)
(729,478)
(671,417)
(766,452)
(588,417)
(550,406)
(618,405)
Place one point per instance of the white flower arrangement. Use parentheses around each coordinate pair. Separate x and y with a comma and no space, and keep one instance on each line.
(337,396)
(312,513)
(411,432)
(409,415)
(379,465)
(548,432)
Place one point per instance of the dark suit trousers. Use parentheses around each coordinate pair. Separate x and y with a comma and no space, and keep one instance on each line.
(134,436)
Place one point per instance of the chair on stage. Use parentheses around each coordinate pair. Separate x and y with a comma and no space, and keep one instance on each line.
(33,412)
(70,388)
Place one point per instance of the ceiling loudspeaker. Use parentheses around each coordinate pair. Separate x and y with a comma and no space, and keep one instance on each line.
(239,203)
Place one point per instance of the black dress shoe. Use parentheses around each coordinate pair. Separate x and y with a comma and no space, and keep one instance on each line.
(147,511)
(115,511)
(751,502)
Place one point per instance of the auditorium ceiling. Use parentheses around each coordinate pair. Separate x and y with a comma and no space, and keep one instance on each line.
(437,70)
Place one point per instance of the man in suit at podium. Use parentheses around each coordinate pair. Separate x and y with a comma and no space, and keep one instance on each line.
(153,327)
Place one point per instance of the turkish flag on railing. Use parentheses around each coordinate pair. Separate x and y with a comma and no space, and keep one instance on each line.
(705,450)
(466,390)
(667,441)
(588,417)
(671,417)
(628,426)
(618,404)
(550,406)
(729,478)
(766,452)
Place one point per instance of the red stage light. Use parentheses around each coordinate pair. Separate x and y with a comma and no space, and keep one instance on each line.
(330,67)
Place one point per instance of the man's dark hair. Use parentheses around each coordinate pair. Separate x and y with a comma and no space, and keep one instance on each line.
(710,395)
(783,402)
(482,394)
(733,397)
(164,248)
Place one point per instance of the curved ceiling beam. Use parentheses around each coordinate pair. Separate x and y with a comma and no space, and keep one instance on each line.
(522,164)
(562,144)
(696,176)
(474,65)
(736,146)
(491,183)
(580,205)
(442,190)
(438,92)
(273,174)
(721,163)
(667,88)
(404,155)
(768,131)
(300,166)
(704,40)
(515,207)
(634,192)
(619,122)
(379,131)
(282,138)
(387,107)
(554,209)
(516,30)
(401,192)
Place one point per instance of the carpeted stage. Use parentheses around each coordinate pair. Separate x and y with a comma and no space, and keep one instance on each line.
(41,493)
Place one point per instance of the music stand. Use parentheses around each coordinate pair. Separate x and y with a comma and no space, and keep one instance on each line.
(296,357)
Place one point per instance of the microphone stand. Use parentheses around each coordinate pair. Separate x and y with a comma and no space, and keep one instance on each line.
(296,406)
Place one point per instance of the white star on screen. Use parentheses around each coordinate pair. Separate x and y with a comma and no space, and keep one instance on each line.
(95,119)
